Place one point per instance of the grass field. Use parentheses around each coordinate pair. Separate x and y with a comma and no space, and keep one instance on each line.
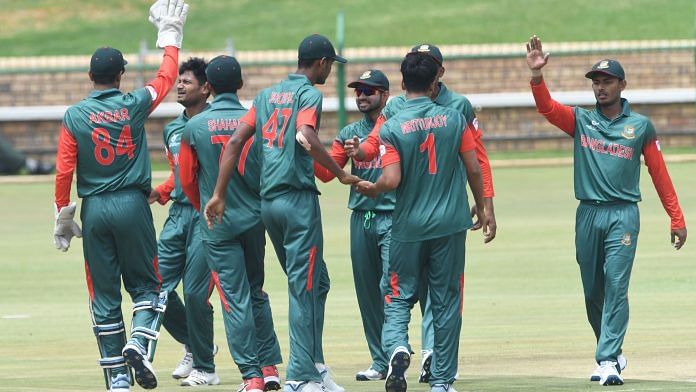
(56,27)
(524,324)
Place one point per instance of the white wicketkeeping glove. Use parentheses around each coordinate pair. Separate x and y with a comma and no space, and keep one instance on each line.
(169,17)
(65,227)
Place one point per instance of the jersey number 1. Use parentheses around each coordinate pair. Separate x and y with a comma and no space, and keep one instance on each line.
(270,128)
(429,145)
(104,153)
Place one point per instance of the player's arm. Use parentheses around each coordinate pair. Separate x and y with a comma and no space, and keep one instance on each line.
(66,160)
(188,173)
(162,192)
(338,154)
(367,150)
(228,163)
(665,190)
(309,140)
(467,153)
(390,177)
(487,176)
(557,114)
(169,17)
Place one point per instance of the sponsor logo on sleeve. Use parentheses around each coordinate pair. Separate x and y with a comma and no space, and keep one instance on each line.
(382,150)
(626,239)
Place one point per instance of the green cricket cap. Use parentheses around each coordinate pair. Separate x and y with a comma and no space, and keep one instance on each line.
(317,46)
(224,71)
(107,61)
(432,50)
(608,67)
(372,78)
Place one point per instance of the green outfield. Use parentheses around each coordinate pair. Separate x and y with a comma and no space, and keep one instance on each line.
(524,324)
(58,27)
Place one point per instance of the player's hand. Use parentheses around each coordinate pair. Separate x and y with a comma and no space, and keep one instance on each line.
(214,210)
(490,229)
(169,16)
(352,147)
(65,226)
(474,215)
(154,196)
(367,188)
(348,179)
(536,58)
(678,238)
(483,219)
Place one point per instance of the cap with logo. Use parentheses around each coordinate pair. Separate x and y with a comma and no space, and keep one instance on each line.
(372,78)
(107,61)
(608,67)
(317,46)
(223,71)
(432,50)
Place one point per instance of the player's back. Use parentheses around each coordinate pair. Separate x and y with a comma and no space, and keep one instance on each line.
(208,133)
(279,111)
(109,129)
(431,199)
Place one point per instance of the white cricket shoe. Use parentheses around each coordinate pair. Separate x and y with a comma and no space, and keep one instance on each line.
(303,386)
(622,362)
(426,362)
(200,377)
(329,384)
(398,364)
(184,368)
(443,388)
(609,374)
(120,383)
(369,375)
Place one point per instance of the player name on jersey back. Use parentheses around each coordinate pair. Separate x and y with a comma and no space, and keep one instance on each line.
(223,124)
(281,97)
(110,116)
(424,124)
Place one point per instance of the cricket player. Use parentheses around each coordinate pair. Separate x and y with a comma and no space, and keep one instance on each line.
(608,143)
(366,149)
(426,148)
(103,138)
(179,249)
(370,222)
(285,119)
(235,249)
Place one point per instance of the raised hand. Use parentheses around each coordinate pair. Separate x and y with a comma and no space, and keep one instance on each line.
(169,17)
(536,58)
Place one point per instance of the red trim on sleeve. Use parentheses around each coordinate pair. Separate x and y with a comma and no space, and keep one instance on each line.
(66,161)
(166,75)
(249,118)
(663,184)
(165,189)
(188,174)
(482,157)
(557,114)
(307,116)
(370,147)
(390,157)
(338,154)
(467,141)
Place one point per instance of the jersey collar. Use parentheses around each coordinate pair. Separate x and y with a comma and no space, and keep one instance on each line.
(226,100)
(420,101)
(294,76)
(103,93)
(443,96)
(625,109)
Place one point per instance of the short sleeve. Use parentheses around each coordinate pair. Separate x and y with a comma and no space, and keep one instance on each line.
(188,136)
(387,149)
(650,133)
(309,108)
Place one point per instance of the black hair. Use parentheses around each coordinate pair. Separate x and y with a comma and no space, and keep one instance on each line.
(197,66)
(226,88)
(306,63)
(419,70)
(105,78)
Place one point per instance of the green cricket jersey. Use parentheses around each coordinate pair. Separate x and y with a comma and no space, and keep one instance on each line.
(607,154)
(277,113)
(207,133)
(172,141)
(109,129)
(369,171)
(431,200)
(445,98)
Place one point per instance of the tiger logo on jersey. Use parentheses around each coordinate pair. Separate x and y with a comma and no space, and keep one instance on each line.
(629,132)
(626,239)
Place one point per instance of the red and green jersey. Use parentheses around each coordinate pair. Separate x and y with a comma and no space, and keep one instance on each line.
(607,153)
(367,170)
(431,199)
(204,137)
(109,128)
(278,112)
(171,188)
(446,98)
(103,137)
